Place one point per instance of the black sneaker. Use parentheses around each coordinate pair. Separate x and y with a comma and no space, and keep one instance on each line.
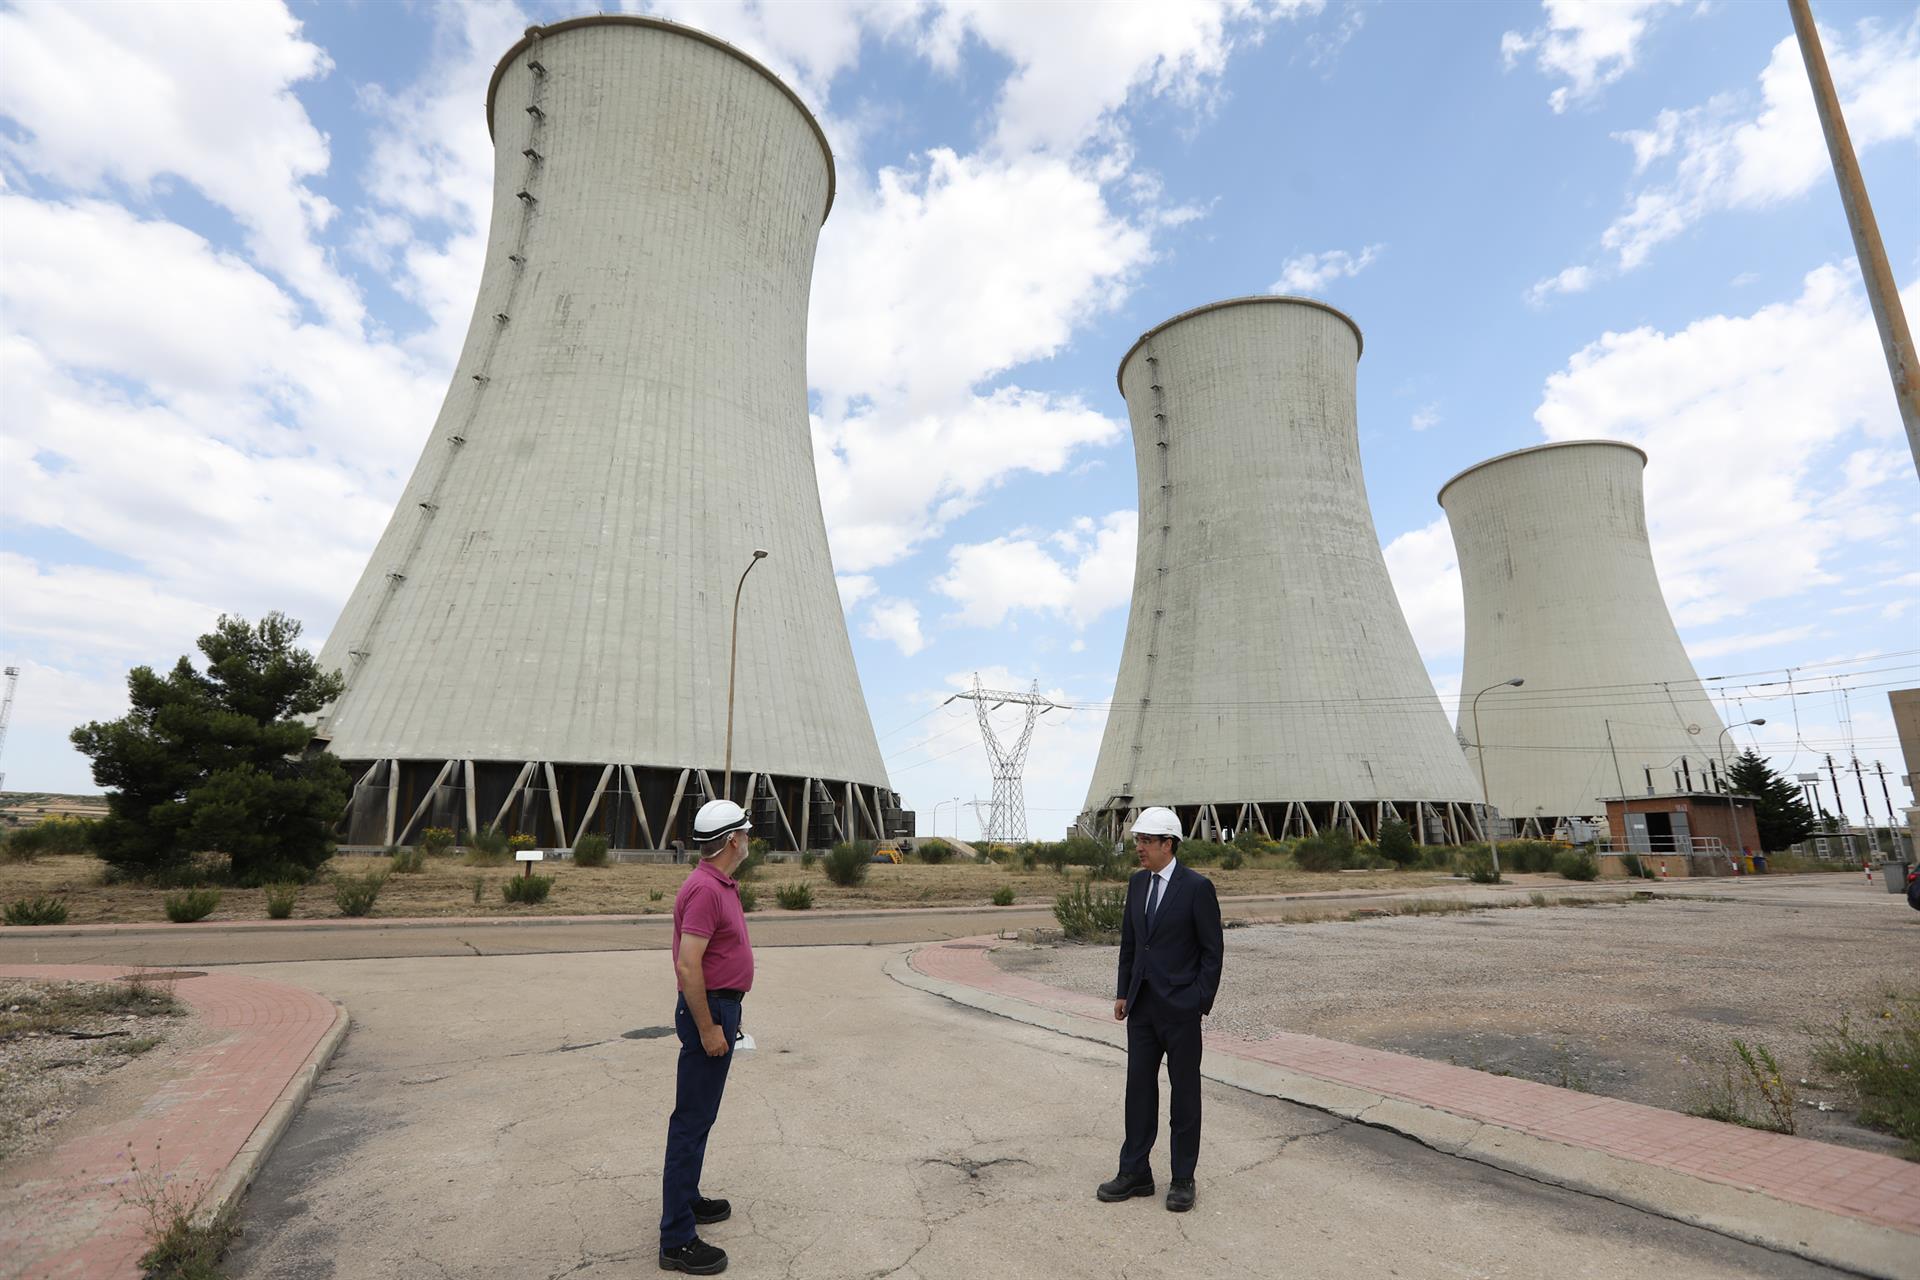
(707,1212)
(1180,1195)
(696,1257)
(1125,1186)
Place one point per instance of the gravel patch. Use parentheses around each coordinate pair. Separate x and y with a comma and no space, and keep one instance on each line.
(1631,1001)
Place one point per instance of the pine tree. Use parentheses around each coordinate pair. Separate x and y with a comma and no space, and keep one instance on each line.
(217,761)
(1783,814)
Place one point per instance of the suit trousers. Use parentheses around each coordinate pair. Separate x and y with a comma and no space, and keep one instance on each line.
(1156,1030)
(696,1104)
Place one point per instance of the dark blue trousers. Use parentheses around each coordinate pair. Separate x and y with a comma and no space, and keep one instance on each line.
(1156,1030)
(696,1103)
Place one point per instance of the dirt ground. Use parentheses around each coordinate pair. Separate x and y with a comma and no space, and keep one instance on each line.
(1639,1001)
(446,888)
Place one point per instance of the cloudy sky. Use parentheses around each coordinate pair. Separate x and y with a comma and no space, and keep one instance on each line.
(241,243)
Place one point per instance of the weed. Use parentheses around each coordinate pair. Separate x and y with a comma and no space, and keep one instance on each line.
(1085,912)
(36,911)
(846,864)
(795,897)
(487,848)
(1880,1061)
(1537,898)
(590,851)
(280,900)
(407,861)
(526,890)
(1744,1085)
(131,1047)
(181,1244)
(60,1004)
(355,895)
(1003,896)
(1232,860)
(191,904)
(807,858)
(654,895)
(1478,861)
(1568,1073)
(479,889)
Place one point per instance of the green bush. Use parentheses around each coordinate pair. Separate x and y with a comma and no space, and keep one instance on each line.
(1330,850)
(437,840)
(750,865)
(1478,861)
(807,858)
(1085,912)
(1201,853)
(280,900)
(1003,896)
(934,852)
(749,898)
(1055,853)
(525,890)
(590,851)
(846,863)
(1530,855)
(654,895)
(191,904)
(26,911)
(519,840)
(1396,843)
(795,897)
(355,895)
(487,848)
(1232,859)
(1630,863)
(57,834)
(1439,857)
(1578,864)
(407,861)
(1879,1062)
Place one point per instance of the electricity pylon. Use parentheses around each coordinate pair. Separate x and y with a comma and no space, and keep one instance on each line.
(1008,821)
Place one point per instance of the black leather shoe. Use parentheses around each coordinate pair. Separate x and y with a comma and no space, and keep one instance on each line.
(1180,1195)
(1126,1186)
(696,1257)
(707,1212)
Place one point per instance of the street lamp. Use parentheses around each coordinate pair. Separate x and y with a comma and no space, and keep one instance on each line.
(1486,802)
(955,802)
(733,656)
(1733,807)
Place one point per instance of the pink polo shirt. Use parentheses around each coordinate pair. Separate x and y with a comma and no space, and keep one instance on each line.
(708,904)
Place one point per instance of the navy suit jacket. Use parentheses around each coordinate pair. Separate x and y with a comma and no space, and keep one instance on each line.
(1179,957)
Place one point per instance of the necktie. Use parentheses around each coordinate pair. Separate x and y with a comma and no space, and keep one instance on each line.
(1153,899)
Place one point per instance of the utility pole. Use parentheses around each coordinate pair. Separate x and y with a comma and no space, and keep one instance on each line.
(1887,795)
(1838,803)
(1882,294)
(1873,834)
(1009,820)
(6,711)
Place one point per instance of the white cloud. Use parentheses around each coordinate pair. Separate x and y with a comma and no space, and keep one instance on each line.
(1723,155)
(990,580)
(1426,578)
(1755,427)
(1589,43)
(203,93)
(854,587)
(1720,646)
(1311,272)
(1427,415)
(1572,280)
(897,621)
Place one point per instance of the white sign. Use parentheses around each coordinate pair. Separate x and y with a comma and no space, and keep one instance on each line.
(529,855)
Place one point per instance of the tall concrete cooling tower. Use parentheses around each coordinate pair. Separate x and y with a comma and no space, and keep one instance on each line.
(1269,681)
(1561,592)
(540,641)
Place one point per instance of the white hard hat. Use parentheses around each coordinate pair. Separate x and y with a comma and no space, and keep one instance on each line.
(1158,822)
(718,818)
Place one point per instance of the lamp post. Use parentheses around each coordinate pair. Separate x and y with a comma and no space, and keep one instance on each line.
(733,657)
(1486,802)
(955,802)
(1733,808)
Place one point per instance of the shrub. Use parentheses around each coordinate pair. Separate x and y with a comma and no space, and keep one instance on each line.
(1478,861)
(1439,857)
(262,875)
(1003,896)
(1105,864)
(191,904)
(1530,855)
(1879,1065)
(750,865)
(846,863)
(1396,843)
(654,895)
(525,890)
(749,898)
(934,852)
(407,861)
(795,897)
(479,889)
(1331,850)
(280,900)
(1578,864)
(807,858)
(1630,863)
(1086,912)
(519,840)
(36,911)
(436,840)
(355,895)
(1052,852)
(51,835)
(590,851)
(1232,859)
(487,848)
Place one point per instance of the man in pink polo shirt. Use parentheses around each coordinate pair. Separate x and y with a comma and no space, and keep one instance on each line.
(713,960)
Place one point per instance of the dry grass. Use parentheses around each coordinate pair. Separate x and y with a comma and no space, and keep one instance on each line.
(445,888)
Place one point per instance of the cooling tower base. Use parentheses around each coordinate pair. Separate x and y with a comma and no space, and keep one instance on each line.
(633,806)
(1432,821)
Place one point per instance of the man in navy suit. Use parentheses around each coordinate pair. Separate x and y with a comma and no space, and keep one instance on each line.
(1170,949)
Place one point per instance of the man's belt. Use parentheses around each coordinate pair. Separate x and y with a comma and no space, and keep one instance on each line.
(726,993)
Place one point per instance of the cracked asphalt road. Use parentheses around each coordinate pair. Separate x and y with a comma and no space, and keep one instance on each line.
(486,1120)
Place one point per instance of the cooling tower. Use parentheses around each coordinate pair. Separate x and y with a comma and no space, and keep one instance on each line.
(1560,591)
(1269,681)
(541,639)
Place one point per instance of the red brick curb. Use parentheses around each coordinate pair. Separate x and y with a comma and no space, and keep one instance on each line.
(66,1215)
(1857,1184)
